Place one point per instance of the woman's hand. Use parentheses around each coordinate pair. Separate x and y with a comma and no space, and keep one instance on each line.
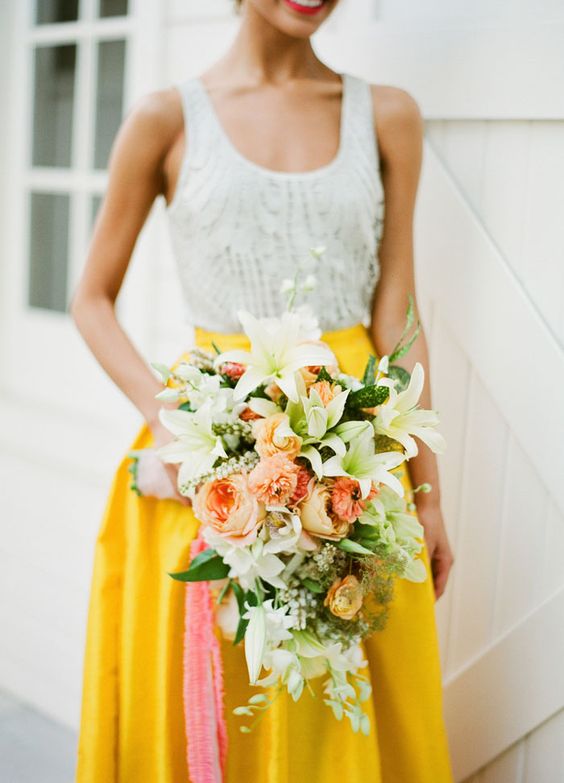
(155,477)
(440,553)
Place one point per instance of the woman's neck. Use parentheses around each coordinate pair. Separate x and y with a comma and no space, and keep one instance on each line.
(262,54)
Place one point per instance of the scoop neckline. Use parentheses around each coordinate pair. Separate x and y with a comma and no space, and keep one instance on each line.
(275,173)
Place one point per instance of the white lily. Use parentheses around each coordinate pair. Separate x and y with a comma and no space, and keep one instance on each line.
(278,623)
(362,463)
(283,531)
(277,352)
(196,446)
(255,640)
(247,563)
(400,419)
(319,417)
(284,666)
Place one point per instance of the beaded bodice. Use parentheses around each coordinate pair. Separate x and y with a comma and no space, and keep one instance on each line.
(239,230)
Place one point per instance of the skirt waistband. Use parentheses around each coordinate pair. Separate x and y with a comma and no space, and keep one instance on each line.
(227,341)
(351,345)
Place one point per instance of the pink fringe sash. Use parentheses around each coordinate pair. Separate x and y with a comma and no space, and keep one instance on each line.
(206,730)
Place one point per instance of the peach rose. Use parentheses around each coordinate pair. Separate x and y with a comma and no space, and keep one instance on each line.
(309,374)
(274,436)
(273,391)
(315,517)
(227,506)
(326,390)
(344,597)
(274,479)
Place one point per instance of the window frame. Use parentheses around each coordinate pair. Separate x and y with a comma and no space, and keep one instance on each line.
(42,344)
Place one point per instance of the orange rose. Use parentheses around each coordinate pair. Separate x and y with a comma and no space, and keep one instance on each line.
(344,597)
(275,436)
(227,506)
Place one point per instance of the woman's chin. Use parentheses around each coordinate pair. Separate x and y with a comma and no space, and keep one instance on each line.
(297,18)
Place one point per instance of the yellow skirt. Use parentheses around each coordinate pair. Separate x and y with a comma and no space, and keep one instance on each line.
(132,721)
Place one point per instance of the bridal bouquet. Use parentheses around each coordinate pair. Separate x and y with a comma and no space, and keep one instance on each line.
(291,468)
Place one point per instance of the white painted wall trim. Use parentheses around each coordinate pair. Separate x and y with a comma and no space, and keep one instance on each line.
(513,687)
(509,69)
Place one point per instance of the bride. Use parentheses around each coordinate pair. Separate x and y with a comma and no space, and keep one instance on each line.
(267,153)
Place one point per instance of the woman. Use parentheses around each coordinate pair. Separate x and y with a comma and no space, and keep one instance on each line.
(268,153)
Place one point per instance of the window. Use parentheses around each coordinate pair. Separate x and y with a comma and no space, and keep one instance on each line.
(79,54)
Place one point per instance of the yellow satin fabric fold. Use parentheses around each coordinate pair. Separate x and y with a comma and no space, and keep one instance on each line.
(132,725)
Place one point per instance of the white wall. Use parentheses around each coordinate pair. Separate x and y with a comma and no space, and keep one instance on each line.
(488,77)
(489,249)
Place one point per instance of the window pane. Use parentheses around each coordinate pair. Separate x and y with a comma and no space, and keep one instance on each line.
(52,11)
(113,7)
(49,230)
(109,98)
(53,100)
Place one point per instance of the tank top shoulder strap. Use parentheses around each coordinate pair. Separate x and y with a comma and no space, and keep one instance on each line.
(359,129)
(199,130)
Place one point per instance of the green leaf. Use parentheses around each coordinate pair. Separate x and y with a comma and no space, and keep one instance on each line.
(368,397)
(185,406)
(369,371)
(352,547)
(241,630)
(242,598)
(205,567)
(216,348)
(224,590)
(398,352)
(323,375)
(239,595)
(399,349)
(400,375)
(315,587)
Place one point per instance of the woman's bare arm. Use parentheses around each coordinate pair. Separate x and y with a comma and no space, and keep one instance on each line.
(400,134)
(136,178)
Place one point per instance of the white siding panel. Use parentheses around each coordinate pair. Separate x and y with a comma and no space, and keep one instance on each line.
(491,315)
(544,752)
(506,692)
(507,768)
(553,567)
(543,240)
(488,10)
(458,69)
(450,373)
(478,538)
(505,187)
(522,541)
(464,154)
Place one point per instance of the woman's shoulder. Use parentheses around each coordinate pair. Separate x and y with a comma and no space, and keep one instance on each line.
(158,112)
(397,117)
(395,106)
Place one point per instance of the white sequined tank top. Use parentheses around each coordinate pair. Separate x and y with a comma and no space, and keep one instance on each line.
(239,230)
